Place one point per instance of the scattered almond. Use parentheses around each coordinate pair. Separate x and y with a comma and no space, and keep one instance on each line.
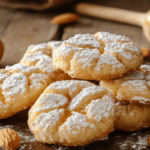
(1,49)
(65,18)
(145,51)
(9,139)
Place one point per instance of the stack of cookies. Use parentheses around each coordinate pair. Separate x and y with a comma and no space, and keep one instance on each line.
(71,110)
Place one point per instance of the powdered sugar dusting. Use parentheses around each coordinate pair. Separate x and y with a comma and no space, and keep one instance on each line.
(77,122)
(84,96)
(86,57)
(103,54)
(38,47)
(51,101)
(137,75)
(107,59)
(15,84)
(71,98)
(19,68)
(118,48)
(83,40)
(101,108)
(66,50)
(109,37)
(3,75)
(54,44)
(134,141)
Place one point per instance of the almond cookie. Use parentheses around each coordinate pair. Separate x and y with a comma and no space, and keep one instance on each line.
(132,117)
(40,56)
(20,86)
(97,57)
(72,113)
(133,88)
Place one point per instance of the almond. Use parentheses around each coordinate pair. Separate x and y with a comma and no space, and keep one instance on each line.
(65,18)
(9,139)
(1,49)
(145,51)
(148,141)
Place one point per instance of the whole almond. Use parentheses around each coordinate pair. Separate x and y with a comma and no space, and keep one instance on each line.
(1,49)
(9,139)
(148,141)
(65,18)
(145,51)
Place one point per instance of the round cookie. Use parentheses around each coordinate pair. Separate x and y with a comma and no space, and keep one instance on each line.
(40,56)
(133,88)
(72,113)
(20,86)
(132,117)
(97,57)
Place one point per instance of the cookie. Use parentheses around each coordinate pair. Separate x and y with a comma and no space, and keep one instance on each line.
(72,113)
(133,88)
(132,117)
(20,86)
(97,57)
(40,56)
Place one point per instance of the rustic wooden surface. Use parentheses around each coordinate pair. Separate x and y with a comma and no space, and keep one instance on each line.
(19,29)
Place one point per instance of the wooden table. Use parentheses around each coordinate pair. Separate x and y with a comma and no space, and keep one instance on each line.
(19,29)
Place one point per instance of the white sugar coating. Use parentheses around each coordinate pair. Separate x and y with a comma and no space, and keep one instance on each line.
(133,88)
(41,61)
(69,84)
(54,44)
(77,122)
(66,50)
(19,68)
(147,67)
(45,64)
(108,59)
(83,59)
(38,81)
(135,85)
(41,56)
(74,127)
(122,38)
(51,101)
(35,57)
(38,47)
(3,75)
(15,84)
(147,71)
(86,57)
(137,75)
(46,120)
(101,108)
(117,48)
(86,95)
(83,40)
(106,36)
(109,37)
(140,99)
(20,87)
(133,48)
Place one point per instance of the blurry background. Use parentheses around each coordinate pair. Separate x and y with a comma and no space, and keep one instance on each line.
(21,27)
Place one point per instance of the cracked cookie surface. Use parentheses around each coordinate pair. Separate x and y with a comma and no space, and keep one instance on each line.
(72,113)
(97,57)
(41,56)
(20,86)
(133,88)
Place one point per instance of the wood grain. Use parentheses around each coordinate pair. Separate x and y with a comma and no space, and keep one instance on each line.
(22,29)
